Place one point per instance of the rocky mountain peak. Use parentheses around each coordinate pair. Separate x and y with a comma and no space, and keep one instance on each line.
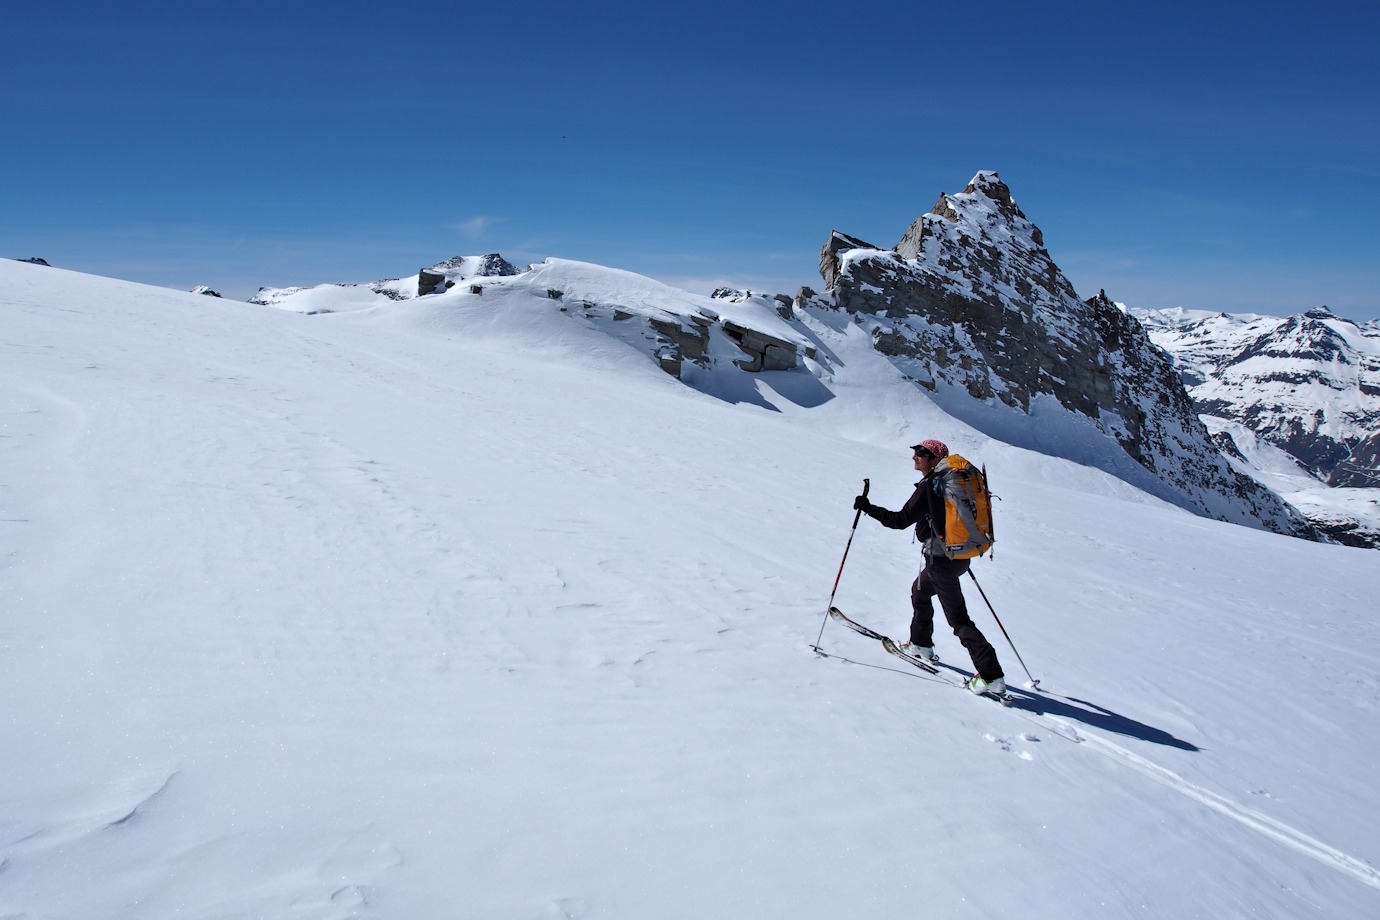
(441,276)
(982,224)
(985,209)
(829,265)
(1102,301)
(486,266)
(988,183)
(971,306)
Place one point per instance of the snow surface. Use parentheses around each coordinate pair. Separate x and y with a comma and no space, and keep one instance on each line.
(1280,471)
(430,611)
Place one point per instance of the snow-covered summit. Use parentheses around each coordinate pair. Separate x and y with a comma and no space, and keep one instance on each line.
(344,297)
(492,265)
(704,341)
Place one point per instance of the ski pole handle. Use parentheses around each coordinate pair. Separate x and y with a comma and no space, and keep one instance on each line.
(867,484)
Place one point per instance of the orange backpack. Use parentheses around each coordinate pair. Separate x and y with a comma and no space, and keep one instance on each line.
(967,510)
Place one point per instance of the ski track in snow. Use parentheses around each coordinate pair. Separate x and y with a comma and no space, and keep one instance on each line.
(1248,817)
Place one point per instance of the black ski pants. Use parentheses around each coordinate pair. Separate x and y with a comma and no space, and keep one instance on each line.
(939,577)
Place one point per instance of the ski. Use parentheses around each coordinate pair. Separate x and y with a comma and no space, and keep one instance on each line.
(896,650)
(887,642)
(1007,700)
(839,615)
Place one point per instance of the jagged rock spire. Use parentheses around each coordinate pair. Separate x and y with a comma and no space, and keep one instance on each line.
(971,304)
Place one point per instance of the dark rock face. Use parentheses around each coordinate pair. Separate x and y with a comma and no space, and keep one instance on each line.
(765,352)
(429,282)
(970,302)
(203,289)
(492,265)
(678,338)
(36,261)
(1347,532)
(1359,469)
(678,342)
(829,255)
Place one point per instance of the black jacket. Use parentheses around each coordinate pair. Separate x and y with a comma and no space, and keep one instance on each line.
(924,509)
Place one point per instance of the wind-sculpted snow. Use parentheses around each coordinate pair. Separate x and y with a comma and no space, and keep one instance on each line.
(458,606)
(708,342)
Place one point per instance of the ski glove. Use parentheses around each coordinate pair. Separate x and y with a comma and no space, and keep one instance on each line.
(862,504)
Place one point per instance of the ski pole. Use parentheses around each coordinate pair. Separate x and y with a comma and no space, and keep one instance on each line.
(1034,684)
(867,484)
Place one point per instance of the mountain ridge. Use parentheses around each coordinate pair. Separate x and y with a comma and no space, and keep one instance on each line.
(970,304)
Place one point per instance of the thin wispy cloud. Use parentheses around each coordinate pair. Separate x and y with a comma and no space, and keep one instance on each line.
(474,228)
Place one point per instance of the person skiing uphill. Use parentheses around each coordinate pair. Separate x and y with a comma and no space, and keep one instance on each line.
(939,575)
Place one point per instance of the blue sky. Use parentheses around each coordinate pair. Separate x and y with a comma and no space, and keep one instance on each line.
(1208,156)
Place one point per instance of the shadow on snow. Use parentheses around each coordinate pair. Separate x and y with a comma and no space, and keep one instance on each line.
(1039,703)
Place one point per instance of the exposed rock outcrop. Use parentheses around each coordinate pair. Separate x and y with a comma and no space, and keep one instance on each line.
(765,352)
(429,282)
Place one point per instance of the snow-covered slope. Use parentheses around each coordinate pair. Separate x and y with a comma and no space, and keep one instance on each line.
(1346,514)
(686,334)
(463,608)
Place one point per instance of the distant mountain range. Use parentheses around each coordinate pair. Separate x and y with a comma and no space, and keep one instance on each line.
(1307,385)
